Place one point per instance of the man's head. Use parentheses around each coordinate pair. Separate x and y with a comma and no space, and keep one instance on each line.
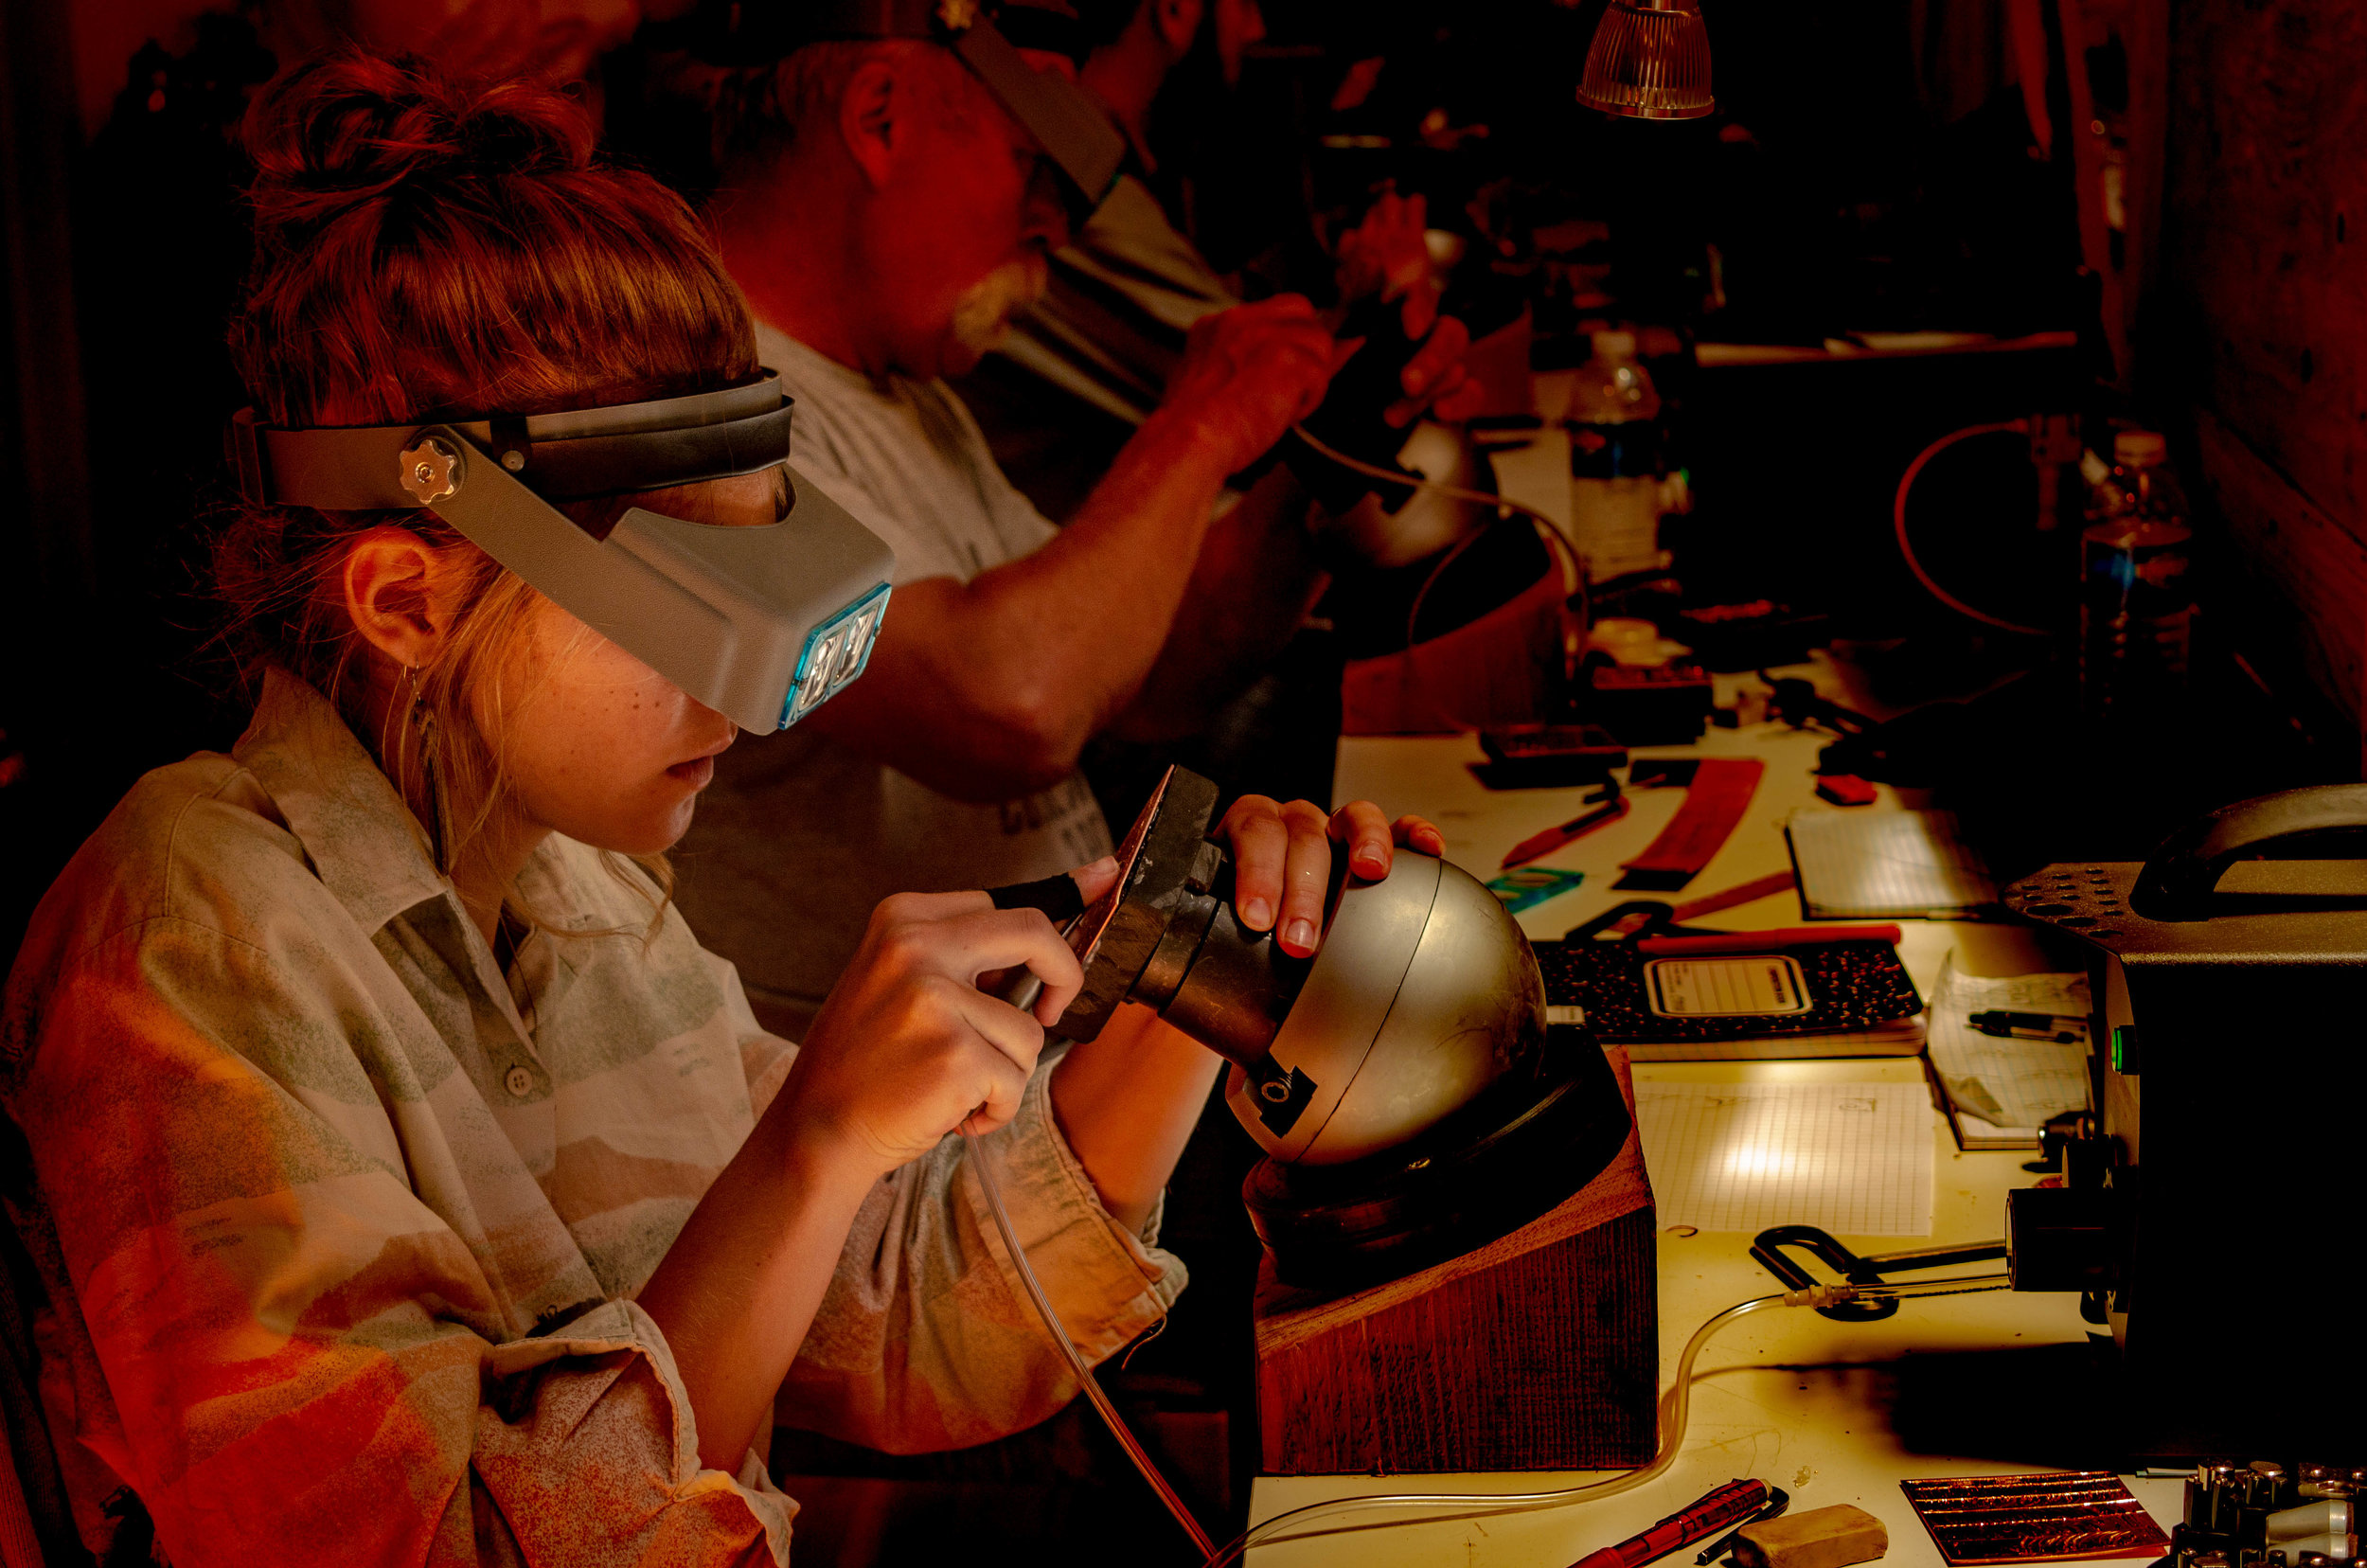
(937,207)
(1167,29)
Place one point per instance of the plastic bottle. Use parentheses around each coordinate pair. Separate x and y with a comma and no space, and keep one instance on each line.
(1615,462)
(2136,608)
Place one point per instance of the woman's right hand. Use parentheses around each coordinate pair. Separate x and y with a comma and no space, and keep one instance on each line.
(907,1046)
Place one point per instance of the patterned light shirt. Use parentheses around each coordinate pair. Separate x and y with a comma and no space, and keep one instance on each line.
(341,1225)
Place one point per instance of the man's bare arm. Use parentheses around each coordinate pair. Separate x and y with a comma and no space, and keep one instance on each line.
(991,688)
(1257,577)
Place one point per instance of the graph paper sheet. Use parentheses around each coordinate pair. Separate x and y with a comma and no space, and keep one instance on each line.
(1853,1158)
(1885,865)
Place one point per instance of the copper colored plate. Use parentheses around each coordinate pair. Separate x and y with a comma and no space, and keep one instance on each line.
(1084,934)
(2050,1517)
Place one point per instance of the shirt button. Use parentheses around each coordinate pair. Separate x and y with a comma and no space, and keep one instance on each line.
(520,1081)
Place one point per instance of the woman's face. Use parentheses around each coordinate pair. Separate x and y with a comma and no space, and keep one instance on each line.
(597,745)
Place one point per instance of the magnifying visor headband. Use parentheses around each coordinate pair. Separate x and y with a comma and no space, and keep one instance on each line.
(1065,122)
(763,624)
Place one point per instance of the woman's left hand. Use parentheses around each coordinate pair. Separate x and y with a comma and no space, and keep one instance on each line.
(1282,859)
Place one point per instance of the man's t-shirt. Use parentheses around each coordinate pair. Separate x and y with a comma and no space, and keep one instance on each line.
(799,837)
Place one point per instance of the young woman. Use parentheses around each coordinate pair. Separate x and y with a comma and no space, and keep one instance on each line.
(407,1183)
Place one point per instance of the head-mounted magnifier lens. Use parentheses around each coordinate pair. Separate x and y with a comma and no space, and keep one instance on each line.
(763,624)
(1065,122)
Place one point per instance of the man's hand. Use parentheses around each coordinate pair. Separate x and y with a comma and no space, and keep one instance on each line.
(907,1044)
(1387,256)
(1251,373)
(1281,856)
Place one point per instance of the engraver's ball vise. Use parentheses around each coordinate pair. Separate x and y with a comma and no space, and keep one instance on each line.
(1422,995)
(1412,1100)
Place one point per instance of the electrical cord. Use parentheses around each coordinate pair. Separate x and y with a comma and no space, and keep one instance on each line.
(1116,1423)
(1576,575)
(1416,481)
(1906,548)
(1674,1409)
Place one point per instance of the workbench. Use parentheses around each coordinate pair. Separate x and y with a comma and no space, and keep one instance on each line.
(1831,1412)
(1799,1401)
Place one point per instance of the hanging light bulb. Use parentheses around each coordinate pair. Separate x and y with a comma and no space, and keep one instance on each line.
(1651,59)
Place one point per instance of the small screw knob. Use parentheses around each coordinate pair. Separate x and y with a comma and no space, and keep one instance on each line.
(429,472)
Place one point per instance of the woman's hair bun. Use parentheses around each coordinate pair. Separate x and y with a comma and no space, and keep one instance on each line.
(347,128)
(430,245)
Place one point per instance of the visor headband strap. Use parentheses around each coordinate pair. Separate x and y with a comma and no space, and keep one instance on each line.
(1065,124)
(343,469)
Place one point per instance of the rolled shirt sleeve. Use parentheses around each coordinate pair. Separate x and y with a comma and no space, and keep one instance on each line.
(927,1340)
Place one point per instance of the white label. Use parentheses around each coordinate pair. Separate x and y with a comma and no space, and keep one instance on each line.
(1615,524)
(1725,988)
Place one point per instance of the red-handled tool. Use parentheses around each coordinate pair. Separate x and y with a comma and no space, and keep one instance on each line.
(1742,893)
(1730,1504)
(1554,838)
(1765,941)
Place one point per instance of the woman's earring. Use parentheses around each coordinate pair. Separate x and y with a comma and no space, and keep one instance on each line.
(423,747)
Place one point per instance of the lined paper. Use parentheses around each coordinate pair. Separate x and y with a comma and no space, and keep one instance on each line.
(1853,1158)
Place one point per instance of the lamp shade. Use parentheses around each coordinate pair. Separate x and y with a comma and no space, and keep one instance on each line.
(1651,59)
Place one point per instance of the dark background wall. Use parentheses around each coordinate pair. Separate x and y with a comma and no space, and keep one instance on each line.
(47,564)
(2258,326)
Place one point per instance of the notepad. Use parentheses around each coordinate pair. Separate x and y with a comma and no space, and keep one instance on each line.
(1853,1158)
(1886,865)
(1842,997)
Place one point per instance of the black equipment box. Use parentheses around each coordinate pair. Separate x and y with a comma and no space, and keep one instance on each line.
(2209,1216)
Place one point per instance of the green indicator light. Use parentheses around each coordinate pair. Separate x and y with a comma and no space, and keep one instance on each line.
(2125,1048)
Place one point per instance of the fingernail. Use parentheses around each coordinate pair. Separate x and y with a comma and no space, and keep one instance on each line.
(1107,863)
(1416,381)
(1371,863)
(1300,935)
(1258,914)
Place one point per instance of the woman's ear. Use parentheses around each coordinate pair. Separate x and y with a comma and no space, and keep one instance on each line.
(403,593)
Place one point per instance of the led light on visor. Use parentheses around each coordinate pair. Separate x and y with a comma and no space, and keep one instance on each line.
(835,653)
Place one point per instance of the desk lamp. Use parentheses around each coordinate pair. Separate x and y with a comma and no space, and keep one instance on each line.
(1412,1100)
(1651,59)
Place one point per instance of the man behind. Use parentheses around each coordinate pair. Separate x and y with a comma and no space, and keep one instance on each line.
(886,216)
